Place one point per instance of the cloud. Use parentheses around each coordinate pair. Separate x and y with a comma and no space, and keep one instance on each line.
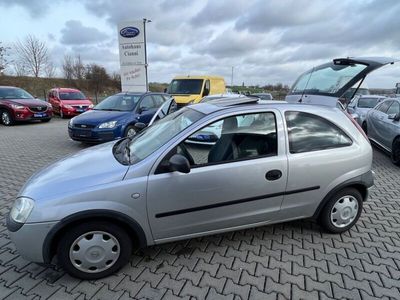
(34,7)
(74,33)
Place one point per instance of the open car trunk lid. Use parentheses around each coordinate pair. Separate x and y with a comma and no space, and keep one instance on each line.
(327,83)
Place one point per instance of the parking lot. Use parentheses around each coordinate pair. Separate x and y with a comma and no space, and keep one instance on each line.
(295,260)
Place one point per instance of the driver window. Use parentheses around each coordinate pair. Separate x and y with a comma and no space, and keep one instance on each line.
(233,138)
(147,103)
(394,108)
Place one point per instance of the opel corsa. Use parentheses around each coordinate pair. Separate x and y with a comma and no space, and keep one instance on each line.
(271,163)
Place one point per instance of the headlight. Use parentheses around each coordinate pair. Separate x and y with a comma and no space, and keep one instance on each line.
(21,209)
(91,106)
(17,106)
(49,105)
(71,122)
(110,124)
(68,106)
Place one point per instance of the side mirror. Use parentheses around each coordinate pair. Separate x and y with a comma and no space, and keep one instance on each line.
(179,163)
(140,126)
(394,117)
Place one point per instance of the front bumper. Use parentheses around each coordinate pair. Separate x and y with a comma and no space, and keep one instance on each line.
(29,239)
(94,135)
(73,112)
(30,116)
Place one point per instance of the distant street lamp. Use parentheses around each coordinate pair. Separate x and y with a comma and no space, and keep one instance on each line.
(145,51)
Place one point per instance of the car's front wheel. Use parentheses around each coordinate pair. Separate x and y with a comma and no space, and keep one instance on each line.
(130,131)
(364,127)
(396,152)
(6,118)
(342,210)
(94,250)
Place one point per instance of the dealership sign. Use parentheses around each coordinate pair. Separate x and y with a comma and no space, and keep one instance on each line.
(132,56)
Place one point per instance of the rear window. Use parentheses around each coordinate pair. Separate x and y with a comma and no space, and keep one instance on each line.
(368,102)
(308,132)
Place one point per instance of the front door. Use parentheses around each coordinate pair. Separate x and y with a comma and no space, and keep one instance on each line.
(237,180)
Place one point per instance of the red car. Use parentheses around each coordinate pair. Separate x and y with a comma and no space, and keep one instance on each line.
(69,102)
(18,105)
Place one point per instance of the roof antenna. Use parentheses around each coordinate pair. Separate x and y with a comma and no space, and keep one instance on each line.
(304,90)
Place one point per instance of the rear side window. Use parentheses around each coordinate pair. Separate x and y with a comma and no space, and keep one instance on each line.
(308,132)
(384,106)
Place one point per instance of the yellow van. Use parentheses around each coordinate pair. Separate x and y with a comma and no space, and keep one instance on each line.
(190,89)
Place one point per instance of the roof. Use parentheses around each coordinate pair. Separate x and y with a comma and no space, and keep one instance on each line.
(199,77)
(372,96)
(8,87)
(67,89)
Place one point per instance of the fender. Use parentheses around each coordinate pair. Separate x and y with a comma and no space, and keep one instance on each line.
(130,224)
(361,183)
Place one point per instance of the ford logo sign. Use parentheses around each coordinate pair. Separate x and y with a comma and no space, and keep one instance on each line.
(129,32)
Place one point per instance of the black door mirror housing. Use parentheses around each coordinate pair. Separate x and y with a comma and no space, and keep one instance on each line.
(394,117)
(140,126)
(179,163)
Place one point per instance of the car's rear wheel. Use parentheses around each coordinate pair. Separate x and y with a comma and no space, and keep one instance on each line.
(396,152)
(94,250)
(364,127)
(130,131)
(6,118)
(342,210)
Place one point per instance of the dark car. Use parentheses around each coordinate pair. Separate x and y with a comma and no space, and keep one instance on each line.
(115,117)
(17,105)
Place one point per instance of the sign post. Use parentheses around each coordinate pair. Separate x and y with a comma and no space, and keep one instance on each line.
(133,56)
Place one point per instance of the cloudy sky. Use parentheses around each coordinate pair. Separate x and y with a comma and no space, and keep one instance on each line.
(266,41)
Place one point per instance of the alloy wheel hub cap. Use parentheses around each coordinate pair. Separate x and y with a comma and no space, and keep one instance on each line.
(5,118)
(344,211)
(94,251)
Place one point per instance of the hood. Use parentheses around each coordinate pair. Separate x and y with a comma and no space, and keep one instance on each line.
(86,168)
(326,83)
(187,98)
(77,102)
(28,102)
(96,117)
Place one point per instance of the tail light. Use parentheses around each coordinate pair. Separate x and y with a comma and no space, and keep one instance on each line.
(356,124)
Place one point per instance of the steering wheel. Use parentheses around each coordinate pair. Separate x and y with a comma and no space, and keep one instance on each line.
(186,153)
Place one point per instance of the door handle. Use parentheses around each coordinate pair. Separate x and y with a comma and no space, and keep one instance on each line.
(273,175)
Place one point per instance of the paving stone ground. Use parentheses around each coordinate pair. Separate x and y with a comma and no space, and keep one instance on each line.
(295,260)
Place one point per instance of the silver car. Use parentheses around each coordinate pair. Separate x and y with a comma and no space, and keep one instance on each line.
(360,105)
(382,126)
(290,162)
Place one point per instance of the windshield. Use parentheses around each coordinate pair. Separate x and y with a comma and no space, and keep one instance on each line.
(14,93)
(327,79)
(118,103)
(368,102)
(185,86)
(72,96)
(155,136)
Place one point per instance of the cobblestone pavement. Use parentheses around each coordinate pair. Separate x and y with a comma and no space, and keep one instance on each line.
(293,260)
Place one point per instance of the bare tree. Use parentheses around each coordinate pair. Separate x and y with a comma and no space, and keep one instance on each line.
(78,68)
(50,69)
(32,53)
(3,58)
(20,69)
(97,77)
(68,67)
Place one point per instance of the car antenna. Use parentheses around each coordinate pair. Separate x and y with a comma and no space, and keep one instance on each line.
(304,90)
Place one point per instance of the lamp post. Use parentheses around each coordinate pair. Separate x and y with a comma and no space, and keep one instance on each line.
(232,78)
(145,51)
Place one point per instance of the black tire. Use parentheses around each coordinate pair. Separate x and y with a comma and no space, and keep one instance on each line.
(325,216)
(395,155)
(365,127)
(45,120)
(129,128)
(8,119)
(76,232)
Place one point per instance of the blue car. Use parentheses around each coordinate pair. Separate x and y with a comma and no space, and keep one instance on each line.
(115,117)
